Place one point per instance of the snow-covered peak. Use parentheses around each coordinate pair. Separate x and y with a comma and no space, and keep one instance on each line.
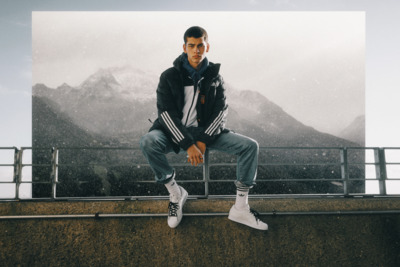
(102,77)
(128,83)
(135,79)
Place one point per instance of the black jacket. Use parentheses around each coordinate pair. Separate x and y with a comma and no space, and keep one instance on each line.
(211,105)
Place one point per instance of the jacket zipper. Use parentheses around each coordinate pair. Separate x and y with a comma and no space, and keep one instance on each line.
(194,96)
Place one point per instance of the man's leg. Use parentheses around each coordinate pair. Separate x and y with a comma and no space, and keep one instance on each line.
(246,149)
(155,145)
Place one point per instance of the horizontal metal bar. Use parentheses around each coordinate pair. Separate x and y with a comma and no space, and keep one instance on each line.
(290,180)
(280,164)
(32,182)
(101,148)
(231,181)
(213,164)
(81,147)
(194,197)
(188,164)
(148,181)
(301,147)
(117,165)
(36,165)
(221,181)
(301,164)
(261,147)
(208,214)
(361,163)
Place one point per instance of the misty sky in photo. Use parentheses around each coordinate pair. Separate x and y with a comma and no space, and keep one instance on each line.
(312,64)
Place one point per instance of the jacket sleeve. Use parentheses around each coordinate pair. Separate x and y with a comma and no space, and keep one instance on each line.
(217,119)
(168,114)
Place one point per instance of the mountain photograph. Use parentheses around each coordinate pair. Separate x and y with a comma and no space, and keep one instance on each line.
(295,82)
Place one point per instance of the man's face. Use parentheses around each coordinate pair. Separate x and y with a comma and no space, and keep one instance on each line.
(196,49)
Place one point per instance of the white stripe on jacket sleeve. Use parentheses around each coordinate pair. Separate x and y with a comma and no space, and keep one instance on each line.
(171,126)
(214,125)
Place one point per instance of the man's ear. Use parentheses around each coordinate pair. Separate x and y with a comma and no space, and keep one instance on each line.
(184,48)
(208,47)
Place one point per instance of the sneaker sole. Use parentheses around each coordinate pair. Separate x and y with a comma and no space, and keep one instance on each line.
(249,225)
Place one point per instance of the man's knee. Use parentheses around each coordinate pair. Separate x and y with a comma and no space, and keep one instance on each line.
(146,142)
(252,145)
(153,142)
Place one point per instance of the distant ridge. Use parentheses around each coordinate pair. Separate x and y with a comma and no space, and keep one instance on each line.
(118,103)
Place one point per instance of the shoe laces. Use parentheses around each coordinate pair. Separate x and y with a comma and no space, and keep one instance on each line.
(173,208)
(255,214)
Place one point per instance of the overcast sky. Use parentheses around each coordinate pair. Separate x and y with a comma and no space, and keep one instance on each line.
(309,63)
(382,55)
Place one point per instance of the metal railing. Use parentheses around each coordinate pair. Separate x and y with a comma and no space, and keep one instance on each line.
(344,160)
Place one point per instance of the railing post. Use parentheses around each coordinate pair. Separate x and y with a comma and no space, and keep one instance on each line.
(206,173)
(344,167)
(54,172)
(380,169)
(17,171)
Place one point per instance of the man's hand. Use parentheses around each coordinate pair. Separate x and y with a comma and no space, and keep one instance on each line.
(195,156)
(201,146)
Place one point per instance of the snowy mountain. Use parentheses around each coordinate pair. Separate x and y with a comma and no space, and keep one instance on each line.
(127,83)
(118,103)
(104,105)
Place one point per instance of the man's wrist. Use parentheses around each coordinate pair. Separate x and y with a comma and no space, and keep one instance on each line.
(186,145)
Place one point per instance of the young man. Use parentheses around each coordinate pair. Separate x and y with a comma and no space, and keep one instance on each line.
(192,111)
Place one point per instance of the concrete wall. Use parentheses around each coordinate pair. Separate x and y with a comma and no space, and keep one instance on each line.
(292,240)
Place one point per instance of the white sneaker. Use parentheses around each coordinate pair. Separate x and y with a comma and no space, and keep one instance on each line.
(247,217)
(175,209)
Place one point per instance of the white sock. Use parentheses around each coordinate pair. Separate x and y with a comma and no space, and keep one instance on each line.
(174,191)
(242,199)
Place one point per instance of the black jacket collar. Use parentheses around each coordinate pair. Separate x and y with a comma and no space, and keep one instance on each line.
(212,70)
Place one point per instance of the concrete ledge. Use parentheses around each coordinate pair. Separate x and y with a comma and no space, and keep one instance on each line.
(309,240)
(199,206)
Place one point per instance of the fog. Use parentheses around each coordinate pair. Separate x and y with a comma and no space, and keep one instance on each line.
(309,63)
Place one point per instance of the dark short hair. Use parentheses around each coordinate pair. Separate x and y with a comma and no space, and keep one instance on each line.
(196,32)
